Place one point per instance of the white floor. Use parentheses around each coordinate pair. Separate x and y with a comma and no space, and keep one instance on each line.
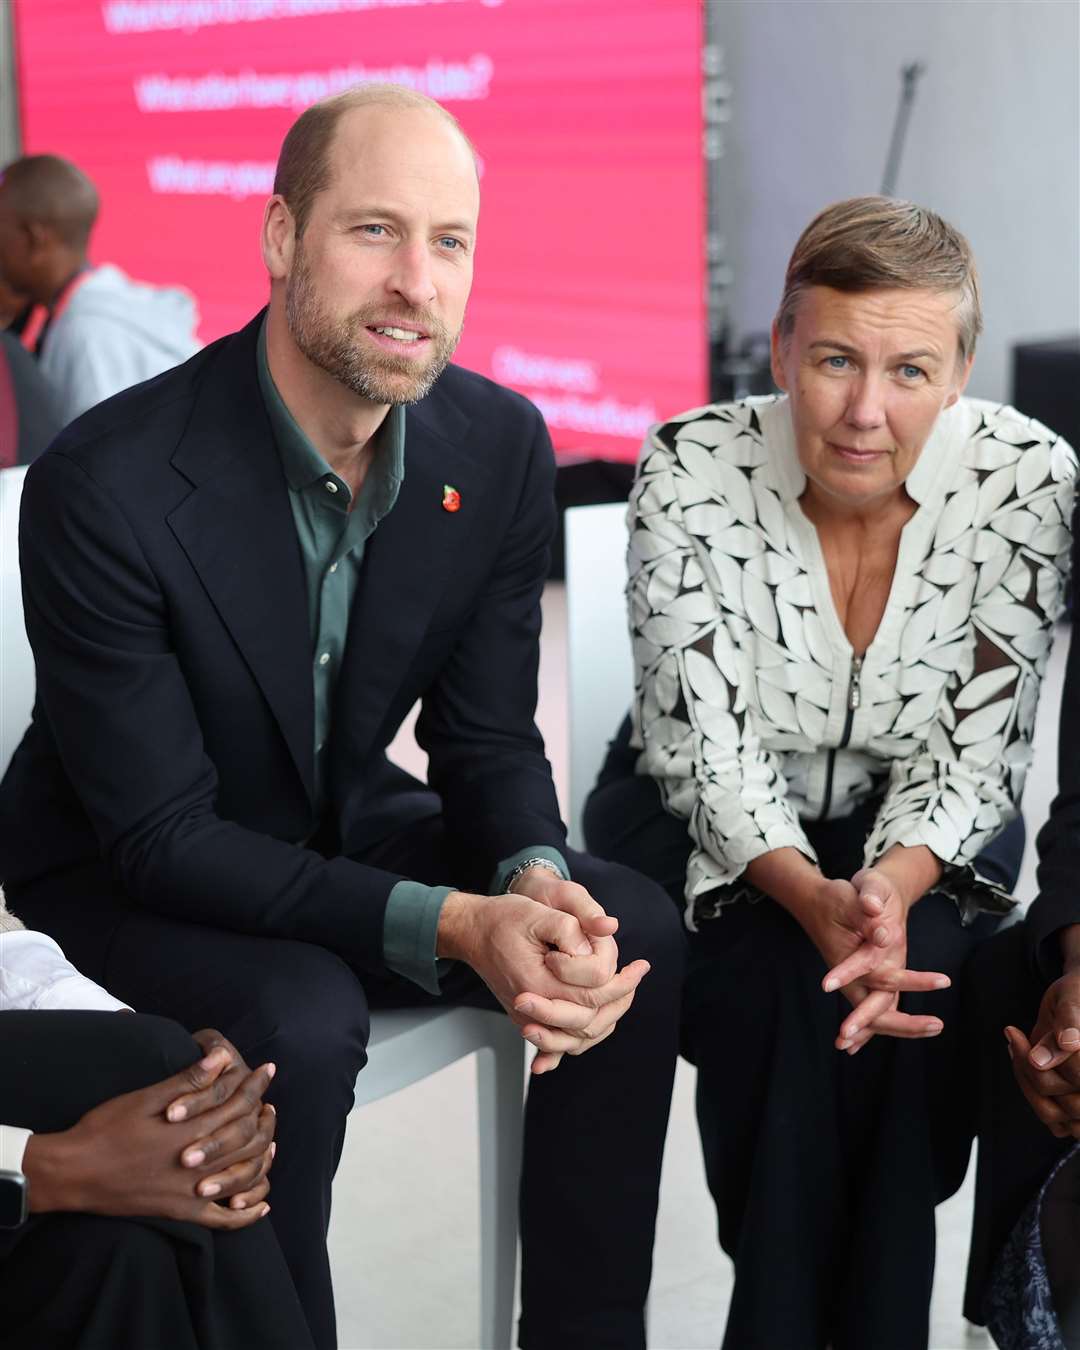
(404,1237)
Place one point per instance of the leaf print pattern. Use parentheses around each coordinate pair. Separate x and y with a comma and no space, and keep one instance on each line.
(742,708)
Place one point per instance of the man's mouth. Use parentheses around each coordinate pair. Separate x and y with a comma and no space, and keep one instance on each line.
(398,334)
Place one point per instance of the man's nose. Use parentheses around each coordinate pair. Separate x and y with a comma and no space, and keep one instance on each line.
(412,276)
(866,406)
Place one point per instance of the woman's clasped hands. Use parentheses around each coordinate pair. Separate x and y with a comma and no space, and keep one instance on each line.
(860,929)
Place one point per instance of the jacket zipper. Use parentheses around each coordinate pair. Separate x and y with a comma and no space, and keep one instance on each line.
(854,697)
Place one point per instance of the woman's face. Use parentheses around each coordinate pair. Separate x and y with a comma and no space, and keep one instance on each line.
(867,374)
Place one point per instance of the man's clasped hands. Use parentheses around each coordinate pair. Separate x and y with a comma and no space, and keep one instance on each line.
(547,952)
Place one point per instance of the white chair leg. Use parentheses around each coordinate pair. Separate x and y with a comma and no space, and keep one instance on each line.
(499,1085)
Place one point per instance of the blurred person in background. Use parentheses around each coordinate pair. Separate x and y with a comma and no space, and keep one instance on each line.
(93,329)
(841,603)
(28,406)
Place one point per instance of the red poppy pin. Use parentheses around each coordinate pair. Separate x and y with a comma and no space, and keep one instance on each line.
(451,498)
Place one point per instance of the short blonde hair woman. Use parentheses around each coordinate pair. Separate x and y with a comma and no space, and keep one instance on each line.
(841,602)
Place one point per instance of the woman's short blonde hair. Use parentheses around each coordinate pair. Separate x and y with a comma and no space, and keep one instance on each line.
(868,242)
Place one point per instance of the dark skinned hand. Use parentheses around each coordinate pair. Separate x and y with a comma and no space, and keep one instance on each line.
(178,1149)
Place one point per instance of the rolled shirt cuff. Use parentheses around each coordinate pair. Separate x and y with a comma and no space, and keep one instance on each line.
(12,1147)
(410,931)
(552,855)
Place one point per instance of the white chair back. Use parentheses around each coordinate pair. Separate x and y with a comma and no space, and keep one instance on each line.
(16,658)
(598,652)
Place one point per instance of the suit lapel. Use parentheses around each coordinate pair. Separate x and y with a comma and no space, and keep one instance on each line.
(237,530)
(408,564)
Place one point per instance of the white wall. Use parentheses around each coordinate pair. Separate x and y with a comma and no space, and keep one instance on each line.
(993,144)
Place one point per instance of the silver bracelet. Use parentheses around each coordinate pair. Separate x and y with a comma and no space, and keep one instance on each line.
(523,867)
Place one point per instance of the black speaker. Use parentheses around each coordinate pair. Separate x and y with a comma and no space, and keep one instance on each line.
(1046,385)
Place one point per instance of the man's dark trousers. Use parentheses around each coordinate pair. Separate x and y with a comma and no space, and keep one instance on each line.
(158,818)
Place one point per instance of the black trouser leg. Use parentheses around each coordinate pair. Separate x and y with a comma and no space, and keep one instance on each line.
(84,1282)
(289,1002)
(594,1128)
(1016,1150)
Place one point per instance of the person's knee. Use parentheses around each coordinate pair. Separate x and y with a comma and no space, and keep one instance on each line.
(310,1017)
(153,1048)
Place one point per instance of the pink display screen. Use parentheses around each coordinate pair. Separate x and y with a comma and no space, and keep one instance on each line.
(590,288)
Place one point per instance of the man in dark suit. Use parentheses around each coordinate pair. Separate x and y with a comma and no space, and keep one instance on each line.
(239,578)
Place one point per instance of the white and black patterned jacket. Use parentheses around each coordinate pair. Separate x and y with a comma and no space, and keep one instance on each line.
(751,709)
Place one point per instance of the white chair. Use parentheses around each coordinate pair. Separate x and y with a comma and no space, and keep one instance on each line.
(412,1043)
(598,653)
(405,1046)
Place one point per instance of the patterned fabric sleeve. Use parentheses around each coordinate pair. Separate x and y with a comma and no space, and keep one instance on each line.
(998,571)
(690,712)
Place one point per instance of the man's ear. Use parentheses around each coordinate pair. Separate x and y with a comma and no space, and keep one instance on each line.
(961,378)
(776,356)
(278,238)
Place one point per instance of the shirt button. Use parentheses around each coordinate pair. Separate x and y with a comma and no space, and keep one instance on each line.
(331,487)
(333,567)
(324,659)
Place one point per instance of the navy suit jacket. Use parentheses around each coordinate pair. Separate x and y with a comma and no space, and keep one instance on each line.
(173,735)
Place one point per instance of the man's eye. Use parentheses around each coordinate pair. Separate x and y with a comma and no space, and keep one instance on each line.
(912,372)
(374,230)
(451,244)
(836,362)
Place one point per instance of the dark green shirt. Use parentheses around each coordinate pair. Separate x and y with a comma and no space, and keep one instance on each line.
(332,541)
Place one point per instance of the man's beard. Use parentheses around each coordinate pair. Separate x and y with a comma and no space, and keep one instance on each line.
(335,345)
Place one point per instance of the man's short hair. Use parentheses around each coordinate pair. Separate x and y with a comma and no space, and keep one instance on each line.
(303,167)
(48,190)
(868,242)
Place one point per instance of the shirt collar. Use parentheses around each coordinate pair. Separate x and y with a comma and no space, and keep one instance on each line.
(302,463)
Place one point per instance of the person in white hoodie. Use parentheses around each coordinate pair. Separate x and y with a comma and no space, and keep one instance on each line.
(94,330)
(132,1174)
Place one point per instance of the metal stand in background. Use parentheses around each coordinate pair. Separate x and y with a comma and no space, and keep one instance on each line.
(909,78)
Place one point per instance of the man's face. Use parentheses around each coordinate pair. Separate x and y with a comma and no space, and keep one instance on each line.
(376,290)
(867,374)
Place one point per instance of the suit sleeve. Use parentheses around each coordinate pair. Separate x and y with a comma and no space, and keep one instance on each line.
(1057,905)
(127,731)
(486,756)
